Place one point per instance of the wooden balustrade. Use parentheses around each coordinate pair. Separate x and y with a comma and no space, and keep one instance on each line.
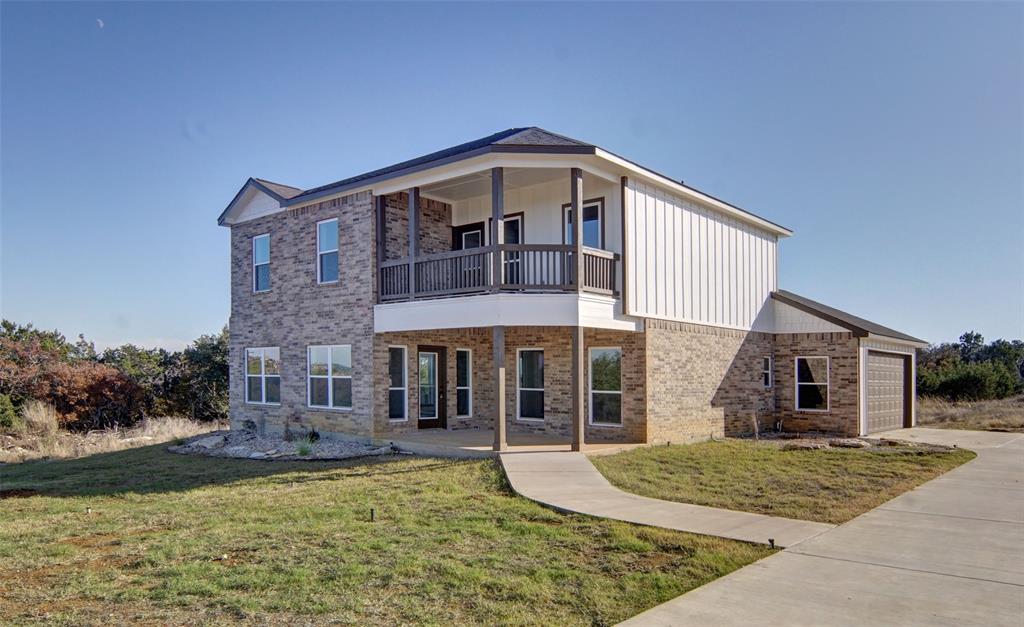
(525,267)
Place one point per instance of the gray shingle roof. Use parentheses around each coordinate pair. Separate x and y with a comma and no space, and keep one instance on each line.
(859,326)
(282,190)
(524,136)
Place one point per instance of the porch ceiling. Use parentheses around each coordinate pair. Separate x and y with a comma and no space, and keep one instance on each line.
(479,183)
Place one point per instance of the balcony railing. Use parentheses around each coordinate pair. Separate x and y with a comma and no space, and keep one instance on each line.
(524,267)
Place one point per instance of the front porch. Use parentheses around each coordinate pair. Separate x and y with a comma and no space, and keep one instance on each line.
(479,443)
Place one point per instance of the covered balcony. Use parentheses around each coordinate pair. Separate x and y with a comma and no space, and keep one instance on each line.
(500,231)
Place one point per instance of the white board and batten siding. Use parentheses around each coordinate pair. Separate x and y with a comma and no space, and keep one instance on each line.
(689,263)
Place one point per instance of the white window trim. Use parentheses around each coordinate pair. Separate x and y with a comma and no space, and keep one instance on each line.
(479,231)
(591,391)
(330,376)
(469,379)
(437,385)
(519,219)
(319,253)
(599,203)
(827,384)
(769,371)
(262,375)
(519,372)
(256,265)
(405,384)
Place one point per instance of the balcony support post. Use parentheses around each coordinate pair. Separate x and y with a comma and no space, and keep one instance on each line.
(498,342)
(576,200)
(379,209)
(497,226)
(414,239)
(578,388)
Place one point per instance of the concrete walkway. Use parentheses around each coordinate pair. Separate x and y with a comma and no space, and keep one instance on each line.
(950,552)
(569,482)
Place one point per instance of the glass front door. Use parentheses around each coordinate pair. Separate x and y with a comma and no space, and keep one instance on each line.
(428,386)
(432,383)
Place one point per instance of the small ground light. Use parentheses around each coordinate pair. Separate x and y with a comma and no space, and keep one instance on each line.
(771,542)
(373,514)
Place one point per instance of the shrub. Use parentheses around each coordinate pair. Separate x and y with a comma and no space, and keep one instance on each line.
(39,418)
(970,382)
(8,417)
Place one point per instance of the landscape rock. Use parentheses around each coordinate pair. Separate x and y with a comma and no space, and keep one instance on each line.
(213,441)
(246,444)
(804,445)
(848,443)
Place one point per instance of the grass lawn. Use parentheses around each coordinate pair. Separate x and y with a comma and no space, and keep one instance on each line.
(832,485)
(997,415)
(145,536)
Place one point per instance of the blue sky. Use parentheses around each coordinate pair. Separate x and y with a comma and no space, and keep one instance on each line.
(890,137)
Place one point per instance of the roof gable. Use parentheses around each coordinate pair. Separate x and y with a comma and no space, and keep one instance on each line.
(859,326)
(266,195)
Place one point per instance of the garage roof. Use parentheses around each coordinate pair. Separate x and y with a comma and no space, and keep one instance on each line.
(859,326)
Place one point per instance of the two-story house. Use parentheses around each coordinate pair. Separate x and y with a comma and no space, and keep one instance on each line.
(527,282)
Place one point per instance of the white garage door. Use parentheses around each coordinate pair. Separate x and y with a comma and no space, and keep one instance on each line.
(886,389)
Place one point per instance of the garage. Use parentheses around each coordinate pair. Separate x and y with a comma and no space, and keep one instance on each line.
(888,405)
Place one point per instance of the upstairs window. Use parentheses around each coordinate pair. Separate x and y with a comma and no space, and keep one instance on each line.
(263,376)
(593,224)
(261,263)
(766,372)
(327,251)
(330,376)
(812,383)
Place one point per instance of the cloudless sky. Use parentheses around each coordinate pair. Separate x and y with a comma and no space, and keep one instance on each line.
(889,137)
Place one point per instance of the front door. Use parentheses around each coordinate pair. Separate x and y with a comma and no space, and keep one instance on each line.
(432,379)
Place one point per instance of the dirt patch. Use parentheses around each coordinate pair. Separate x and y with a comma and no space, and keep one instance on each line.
(18,493)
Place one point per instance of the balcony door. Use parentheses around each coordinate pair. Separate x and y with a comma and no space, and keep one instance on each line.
(513,259)
(433,381)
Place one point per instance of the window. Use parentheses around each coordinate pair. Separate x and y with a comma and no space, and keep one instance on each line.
(398,394)
(472,239)
(766,372)
(593,215)
(530,392)
(606,386)
(330,376)
(263,376)
(463,382)
(261,263)
(327,251)
(812,383)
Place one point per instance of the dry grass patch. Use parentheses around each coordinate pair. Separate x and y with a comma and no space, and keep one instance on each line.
(997,415)
(831,485)
(38,437)
(145,536)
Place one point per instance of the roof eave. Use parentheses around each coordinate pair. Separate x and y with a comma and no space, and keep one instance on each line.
(496,148)
(221,219)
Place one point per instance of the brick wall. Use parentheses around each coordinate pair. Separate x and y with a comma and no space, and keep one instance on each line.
(704,381)
(842,349)
(297,312)
(557,345)
(435,226)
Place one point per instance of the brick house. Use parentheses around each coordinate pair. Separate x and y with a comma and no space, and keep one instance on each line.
(456,291)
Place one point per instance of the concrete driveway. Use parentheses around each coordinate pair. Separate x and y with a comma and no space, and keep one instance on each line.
(950,552)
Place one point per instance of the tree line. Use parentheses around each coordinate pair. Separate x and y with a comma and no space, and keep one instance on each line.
(118,386)
(971,370)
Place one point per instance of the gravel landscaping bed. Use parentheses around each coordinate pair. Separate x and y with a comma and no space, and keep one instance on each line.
(818,441)
(244,444)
